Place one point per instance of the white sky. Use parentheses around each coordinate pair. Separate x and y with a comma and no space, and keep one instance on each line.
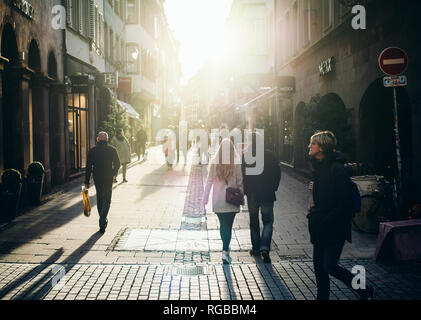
(199,26)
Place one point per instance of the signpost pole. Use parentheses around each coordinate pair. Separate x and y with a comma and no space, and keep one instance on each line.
(393,61)
(398,151)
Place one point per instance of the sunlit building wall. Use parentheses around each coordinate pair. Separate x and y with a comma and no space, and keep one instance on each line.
(253,62)
(94,51)
(152,63)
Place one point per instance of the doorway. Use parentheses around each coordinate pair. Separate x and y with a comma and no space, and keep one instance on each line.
(78,128)
(377,137)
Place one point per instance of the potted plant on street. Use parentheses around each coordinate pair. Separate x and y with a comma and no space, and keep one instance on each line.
(10,192)
(35,180)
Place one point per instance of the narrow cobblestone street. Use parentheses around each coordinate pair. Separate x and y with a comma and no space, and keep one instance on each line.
(160,245)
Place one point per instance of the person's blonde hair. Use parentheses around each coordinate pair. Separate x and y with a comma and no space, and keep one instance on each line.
(326,140)
(224,170)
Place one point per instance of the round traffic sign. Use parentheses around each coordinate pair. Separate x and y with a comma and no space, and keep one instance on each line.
(393,61)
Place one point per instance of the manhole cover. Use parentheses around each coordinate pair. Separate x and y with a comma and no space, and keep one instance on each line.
(189,271)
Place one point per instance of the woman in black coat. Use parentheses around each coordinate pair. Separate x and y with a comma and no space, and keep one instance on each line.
(330,217)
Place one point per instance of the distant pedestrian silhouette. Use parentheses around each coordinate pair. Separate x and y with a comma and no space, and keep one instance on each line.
(122,145)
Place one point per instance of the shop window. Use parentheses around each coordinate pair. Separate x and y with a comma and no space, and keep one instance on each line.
(78,130)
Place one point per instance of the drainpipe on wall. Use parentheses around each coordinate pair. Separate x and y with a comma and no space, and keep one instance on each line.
(64,45)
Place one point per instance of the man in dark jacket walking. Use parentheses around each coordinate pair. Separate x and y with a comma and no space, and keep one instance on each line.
(141,138)
(104,162)
(260,191)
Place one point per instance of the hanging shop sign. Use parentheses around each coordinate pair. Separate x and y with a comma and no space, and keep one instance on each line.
(327,66)
(111,80)
(125,85)
(24,7)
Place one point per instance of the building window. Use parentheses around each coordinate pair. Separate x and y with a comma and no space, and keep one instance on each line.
(85,20)
(295,29)
(149,65)
(287,27)
(344,11)
(117,7)
(123,55)
(133,56)
(78,128)
(101,32)
(132,11)
(122,6)
(74,4)
(96,27)
(257,34)
(112,49)
(148,18)
(117,50)
(306,22)
(106,42)
(327,9)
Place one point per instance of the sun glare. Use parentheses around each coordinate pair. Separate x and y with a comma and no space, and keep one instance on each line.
(199,25)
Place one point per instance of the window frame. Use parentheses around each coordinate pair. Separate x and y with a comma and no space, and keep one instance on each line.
(329,26)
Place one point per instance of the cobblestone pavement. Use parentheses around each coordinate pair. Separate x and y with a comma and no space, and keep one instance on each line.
(160,245)
(288,280)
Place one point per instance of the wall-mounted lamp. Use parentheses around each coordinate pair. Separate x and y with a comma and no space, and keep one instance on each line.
(22,56)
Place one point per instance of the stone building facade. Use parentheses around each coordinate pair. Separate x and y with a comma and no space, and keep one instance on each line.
(31,89)
(318,46)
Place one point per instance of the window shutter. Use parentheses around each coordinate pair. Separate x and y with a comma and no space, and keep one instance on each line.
(69,12)
(80,11)
(101,33)
(96,33)
(91,18)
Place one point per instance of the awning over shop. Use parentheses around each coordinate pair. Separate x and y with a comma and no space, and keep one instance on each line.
(130,111)
(261,97)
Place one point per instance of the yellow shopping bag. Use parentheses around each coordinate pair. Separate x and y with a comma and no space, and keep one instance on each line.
(86,203)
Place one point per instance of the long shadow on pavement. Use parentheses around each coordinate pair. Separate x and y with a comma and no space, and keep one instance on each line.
(31,274)
(286,295)
(34,224)
(41,220)
(40,288)
(229,277)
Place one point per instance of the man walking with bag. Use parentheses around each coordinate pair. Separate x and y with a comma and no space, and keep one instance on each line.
(104,162)
(260,191)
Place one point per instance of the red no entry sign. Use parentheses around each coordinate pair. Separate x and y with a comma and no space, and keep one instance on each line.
(393,61)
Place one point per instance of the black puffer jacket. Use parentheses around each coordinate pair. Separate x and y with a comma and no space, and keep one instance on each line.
(330,220)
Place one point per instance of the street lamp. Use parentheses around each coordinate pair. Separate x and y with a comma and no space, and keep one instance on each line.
(135,54)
